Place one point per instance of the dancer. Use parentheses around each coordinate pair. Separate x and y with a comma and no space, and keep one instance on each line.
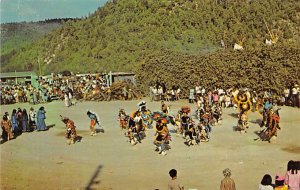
(94,120)
(71,133)
(162,136)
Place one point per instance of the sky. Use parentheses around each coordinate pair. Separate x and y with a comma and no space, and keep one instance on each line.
(37,10)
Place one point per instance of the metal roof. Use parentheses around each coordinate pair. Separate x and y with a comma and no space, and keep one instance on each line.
(17,74)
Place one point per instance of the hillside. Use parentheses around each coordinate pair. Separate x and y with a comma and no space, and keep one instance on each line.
(17,36)
(117,36)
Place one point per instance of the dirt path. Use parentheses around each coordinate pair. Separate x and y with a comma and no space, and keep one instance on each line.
(43,160)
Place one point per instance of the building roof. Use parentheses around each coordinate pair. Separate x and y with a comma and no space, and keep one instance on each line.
(17,74)
(121,74)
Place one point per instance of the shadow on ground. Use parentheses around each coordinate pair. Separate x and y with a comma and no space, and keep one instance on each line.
(234,115)
(94,182)
(292,149)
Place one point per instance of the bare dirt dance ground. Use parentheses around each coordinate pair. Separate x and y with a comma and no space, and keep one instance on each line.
(43,160)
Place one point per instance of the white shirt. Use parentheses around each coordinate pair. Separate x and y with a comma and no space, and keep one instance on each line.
(160,91)
(220,91)
(154,90)
(203,90)
(198,89)
(294,91)
(265,187)
(286,92)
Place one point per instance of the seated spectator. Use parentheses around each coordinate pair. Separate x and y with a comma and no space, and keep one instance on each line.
(266,183)
(279,183)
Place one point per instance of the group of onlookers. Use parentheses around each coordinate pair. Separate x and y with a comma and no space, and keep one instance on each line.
(290,181)
(53,88)
(23,93)
(224,97)
(161,92)
(21,121)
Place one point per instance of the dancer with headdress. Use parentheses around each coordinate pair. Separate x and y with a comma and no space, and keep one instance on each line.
(123,119)
(269,133)
(185,119)
(162,136)
(244,106)
(191,133)
(136,130)
(71,133)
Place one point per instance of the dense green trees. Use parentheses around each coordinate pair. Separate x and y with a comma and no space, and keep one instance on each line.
(118,35)
(272,68)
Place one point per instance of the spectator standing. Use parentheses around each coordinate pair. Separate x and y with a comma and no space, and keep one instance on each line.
(192,95)
(286,95)
(41,116)
(227,183)
(295,90)
(174,184)
(32,117)
(6,129)
(279,183)
(25,124)
(198,89)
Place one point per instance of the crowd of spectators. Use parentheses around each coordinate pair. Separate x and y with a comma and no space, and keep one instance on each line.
(224,97)
(54,87)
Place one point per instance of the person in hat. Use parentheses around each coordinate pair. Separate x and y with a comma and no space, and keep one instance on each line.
(227,183)
(40,123)
(71,133)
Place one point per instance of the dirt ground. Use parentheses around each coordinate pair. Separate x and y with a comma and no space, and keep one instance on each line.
(43,160)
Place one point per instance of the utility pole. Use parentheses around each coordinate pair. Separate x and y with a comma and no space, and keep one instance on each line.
(40,71)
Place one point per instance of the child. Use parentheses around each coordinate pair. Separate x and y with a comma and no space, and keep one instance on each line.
(227,183)
(279,183)
(174,184)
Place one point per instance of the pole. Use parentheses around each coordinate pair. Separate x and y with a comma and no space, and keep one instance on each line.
(110,78)
(16,77)
(40,72)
